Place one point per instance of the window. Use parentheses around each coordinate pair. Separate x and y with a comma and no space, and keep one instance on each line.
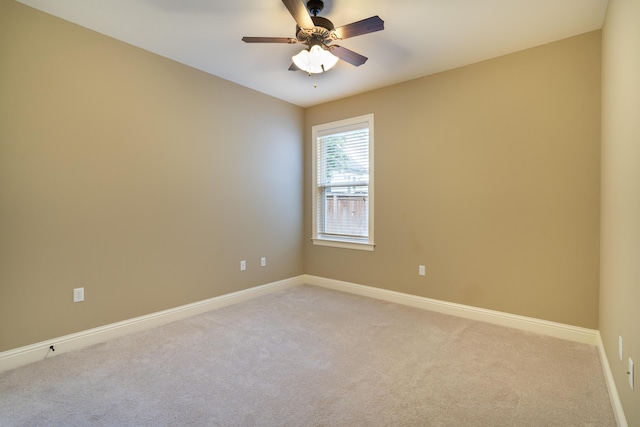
(343,183)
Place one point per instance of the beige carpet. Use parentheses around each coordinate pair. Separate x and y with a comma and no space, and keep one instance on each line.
(309,356)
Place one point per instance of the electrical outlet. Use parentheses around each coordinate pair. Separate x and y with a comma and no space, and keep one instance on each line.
(630,373)
(263,261)
(243,265)
(620,348)
(421,270)
(78,295)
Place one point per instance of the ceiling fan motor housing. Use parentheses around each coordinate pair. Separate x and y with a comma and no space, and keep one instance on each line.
(321,31)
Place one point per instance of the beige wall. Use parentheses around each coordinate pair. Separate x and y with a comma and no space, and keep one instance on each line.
(620,255)
(139,179)
(489,176)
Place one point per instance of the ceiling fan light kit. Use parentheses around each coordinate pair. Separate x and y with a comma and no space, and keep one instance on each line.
(318,33)
(315,60)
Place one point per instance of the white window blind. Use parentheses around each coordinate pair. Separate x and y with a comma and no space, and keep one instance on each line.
(342,181)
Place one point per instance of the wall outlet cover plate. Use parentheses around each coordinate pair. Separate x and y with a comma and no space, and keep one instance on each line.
(78,295)
(620,348)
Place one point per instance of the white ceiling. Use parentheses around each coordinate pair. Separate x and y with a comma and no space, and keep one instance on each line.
(421,37)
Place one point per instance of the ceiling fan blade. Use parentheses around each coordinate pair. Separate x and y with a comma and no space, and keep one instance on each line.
(348,55)
(299,12)
(269,40)
(359,28)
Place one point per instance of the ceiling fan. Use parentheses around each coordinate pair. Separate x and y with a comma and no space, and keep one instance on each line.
(318,33)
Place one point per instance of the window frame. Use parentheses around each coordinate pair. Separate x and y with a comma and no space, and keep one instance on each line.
(365,243)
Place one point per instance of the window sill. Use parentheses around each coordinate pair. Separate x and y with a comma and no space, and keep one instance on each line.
(345,244)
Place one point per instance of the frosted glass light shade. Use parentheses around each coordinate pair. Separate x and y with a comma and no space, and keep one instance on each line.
(315,60)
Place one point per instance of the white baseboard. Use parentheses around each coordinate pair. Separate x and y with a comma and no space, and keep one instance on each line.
(544,327)
(32,353)
(621,420)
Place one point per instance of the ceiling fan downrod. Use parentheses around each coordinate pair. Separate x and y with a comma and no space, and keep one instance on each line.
(315,7)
